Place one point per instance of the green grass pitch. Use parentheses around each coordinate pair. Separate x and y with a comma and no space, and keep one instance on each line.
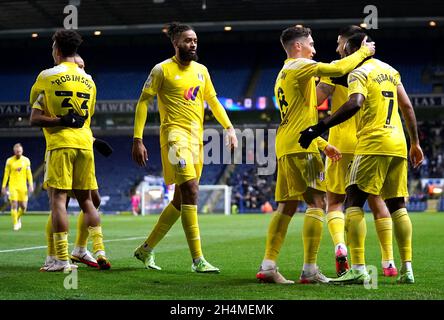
(233,243)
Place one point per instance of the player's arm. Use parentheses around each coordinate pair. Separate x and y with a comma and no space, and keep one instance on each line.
(323,91)
(340,67)
(5,177)
(29,177)
(219,112)
(357,92)
(345,112)
(38,117)
(329,150)
(146,101)
(221,116)
(416,154)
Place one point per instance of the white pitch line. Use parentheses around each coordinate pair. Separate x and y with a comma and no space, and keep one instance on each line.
(44,247)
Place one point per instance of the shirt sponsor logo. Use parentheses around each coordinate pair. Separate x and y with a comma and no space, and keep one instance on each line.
(191,93)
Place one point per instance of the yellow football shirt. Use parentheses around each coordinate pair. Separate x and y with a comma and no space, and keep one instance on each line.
(17,171)
(181,92)
(342,136)
(379,128)
(62,88)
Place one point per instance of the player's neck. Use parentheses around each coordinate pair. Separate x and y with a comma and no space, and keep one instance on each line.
(184,63)
(67,59)
(18,156)
(294,55)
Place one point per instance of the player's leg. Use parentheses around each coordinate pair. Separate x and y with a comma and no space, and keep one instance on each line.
(14,214)
(311,236)
(22,205)
(394,192)
(92,220)
(403,233)
(167,218)
(59,221)
(336,227)
(384,230)
(356,230)
(80,252)
(83,181)
(189,191)
(336,177)
(277,231)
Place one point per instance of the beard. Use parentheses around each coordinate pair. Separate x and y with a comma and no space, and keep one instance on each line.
(186,56)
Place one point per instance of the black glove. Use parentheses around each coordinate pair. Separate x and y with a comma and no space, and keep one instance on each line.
(311,133)
(73,120)
(103,147)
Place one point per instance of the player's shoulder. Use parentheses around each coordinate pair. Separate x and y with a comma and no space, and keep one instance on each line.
(362,72)
(52,71)
(384,65)
(10,159)
(159,67)
(26,158)
(299,63)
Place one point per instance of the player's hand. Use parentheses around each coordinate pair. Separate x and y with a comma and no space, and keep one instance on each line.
(309,134)
(416,155)
(231,139)
(3,191)
(31,189)
(139,152)
(332,153)
(73,120)
(370,45)
(102,147)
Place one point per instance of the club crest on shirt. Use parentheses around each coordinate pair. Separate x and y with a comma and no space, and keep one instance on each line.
(182,163)
(200,77)
(321,176)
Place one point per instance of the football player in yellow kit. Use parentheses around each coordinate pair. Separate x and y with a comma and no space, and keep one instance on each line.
(181,85)
(80,252)
(18,178)
(69,96)
(379,165)
(343,136)
(300,174)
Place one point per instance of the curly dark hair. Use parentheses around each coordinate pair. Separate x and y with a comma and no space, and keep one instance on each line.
(175,29)
(350,30)
(68,41)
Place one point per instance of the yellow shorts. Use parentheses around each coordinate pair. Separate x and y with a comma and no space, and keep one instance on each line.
(297,172)
(69,168)
(336,173)
(181,162)
(18,194)
(379,175)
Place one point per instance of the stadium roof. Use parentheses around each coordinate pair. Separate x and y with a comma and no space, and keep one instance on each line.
(119,16)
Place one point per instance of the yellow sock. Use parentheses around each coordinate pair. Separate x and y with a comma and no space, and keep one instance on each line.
(384,229)
(312,233)
(61,245)
(14,216)
(20,212)
(191,228)
(97,238)
(403,233)
(51,251)
(166,220)
(336,226)
(356,233)
(277,230)
(82,231)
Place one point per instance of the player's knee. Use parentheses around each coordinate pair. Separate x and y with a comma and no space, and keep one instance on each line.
(395,204)
(355,197)
(189,191)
